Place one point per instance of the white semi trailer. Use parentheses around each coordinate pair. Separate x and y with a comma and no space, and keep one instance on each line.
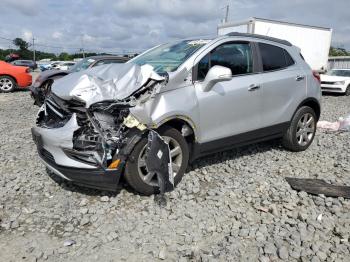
(313,41)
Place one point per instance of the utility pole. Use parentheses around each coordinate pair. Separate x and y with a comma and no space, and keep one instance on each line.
(33,49)
(227,11)
(82,46)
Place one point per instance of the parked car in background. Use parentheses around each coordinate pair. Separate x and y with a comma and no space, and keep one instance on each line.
(179,101)
(43,82)
(28,63)
(336,81)
(12,77)
(63,66)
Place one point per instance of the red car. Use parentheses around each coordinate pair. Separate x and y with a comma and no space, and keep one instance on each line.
(13,76)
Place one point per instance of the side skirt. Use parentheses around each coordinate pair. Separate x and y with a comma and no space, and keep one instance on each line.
(251,137)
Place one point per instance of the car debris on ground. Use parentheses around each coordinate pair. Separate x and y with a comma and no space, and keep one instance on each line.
(318,187)
(342,125)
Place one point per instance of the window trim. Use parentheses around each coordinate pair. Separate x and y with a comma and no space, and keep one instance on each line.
(254,54)
(261,61)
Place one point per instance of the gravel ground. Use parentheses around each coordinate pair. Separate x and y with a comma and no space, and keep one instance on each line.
(230,206)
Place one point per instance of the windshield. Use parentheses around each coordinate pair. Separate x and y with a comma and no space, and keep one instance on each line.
(168,57)
(339,73)
(82,65)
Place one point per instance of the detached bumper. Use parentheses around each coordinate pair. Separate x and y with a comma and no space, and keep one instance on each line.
(94,177)
(37,95)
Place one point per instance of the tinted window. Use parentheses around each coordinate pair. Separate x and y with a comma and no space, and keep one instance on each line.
(108,61)
(236,56)
(289,59)
(274,57)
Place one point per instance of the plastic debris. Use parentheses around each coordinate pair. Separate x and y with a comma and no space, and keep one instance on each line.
(318,187)
(342,125)
(68,243)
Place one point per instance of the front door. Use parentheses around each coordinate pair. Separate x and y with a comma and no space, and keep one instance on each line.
(231,107)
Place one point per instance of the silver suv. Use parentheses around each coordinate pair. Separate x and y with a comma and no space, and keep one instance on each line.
(148,118)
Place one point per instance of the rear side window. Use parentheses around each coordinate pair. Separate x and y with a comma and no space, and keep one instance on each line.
(236,56)
(274,57)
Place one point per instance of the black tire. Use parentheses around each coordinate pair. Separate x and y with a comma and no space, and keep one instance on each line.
(347,91)
(131,169)
(7,84)
(290,138)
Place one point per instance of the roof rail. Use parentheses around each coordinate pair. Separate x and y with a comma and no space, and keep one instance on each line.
(269,38)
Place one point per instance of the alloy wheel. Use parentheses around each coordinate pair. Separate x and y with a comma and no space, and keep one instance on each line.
(176,157)
(305,129)
(6,84)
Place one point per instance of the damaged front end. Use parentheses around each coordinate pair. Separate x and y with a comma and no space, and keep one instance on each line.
(88,137)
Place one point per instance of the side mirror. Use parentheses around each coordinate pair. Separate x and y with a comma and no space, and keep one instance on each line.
(216,74)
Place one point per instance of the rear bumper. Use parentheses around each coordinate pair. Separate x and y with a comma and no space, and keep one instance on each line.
(24,81)
(333,88)
(82,174)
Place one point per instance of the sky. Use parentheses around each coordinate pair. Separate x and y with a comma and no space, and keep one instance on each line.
(122,26)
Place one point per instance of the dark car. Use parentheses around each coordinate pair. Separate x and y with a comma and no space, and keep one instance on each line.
(42,84)
(28,63)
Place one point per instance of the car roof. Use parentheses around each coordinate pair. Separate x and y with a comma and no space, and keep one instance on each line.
(262,37)
(22,60)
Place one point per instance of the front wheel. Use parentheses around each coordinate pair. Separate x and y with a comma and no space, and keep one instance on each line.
(301,131)
(136,173)
(7,84)
(347,91)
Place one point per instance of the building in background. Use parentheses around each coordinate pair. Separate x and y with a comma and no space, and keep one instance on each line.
(314,41)
(339,62)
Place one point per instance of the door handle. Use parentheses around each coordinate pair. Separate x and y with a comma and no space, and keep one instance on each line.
(253,87)
(299,78)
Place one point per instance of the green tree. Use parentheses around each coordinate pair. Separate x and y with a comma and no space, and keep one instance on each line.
(338,51)
(21,44)
(64,56)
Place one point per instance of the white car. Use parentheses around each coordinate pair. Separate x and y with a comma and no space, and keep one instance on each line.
(64,65)
(336,80)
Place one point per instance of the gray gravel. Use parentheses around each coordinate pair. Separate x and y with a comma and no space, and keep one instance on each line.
(230,206)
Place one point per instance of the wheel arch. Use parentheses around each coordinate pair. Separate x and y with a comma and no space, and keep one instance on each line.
(313,103)
(178,122)
(11,76)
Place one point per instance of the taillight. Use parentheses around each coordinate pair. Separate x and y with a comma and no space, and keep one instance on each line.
(317,76)
(27,70)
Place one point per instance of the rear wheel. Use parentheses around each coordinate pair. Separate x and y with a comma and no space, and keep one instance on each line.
(7,84)
(136,173)
(301,131)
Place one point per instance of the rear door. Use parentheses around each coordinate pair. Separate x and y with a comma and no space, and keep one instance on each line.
(283,84)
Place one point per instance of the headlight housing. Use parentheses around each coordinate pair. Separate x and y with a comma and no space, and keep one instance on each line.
(340,83)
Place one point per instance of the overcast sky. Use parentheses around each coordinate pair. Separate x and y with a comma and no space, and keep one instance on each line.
(134,25)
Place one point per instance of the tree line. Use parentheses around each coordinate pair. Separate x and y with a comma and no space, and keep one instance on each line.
(22,49)
(24,53)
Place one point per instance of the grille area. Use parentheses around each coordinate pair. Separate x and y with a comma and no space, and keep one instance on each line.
(327,83)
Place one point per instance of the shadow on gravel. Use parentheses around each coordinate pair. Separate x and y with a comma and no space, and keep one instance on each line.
(236,153)
(17,90)
(332,94)
(70,186)
(212,159)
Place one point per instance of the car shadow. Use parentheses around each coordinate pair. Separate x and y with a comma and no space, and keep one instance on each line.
(208,160)
(332,94)
(236,153)
(22,89)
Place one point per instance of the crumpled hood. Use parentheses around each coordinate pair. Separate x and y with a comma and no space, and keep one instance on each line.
(107,82)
